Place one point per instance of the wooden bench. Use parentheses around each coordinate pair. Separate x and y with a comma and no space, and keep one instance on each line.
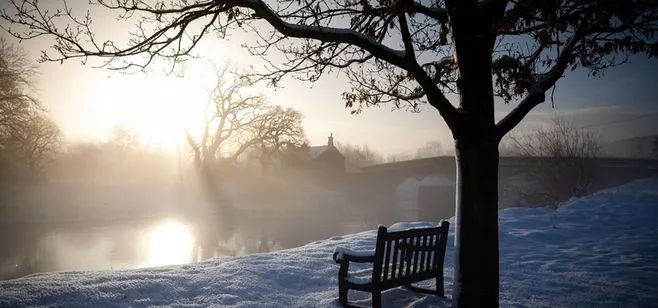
(400,258)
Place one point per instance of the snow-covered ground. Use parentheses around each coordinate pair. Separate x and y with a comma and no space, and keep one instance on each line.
(603,252)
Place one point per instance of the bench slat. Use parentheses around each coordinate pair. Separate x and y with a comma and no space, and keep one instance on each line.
(422,255)
(416,252)
(410,259)
(395,258)
(387,257)
(430,253)
(402,258)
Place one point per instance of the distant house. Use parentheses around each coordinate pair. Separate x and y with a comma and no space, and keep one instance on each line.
(324,159)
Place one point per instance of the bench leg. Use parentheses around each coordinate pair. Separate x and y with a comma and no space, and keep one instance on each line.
(342,282)
(439,285)
(376,299)
(342,293)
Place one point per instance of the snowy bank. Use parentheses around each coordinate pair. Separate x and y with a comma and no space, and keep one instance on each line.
(603,252)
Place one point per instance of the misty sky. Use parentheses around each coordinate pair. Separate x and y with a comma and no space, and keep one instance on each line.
(88,103)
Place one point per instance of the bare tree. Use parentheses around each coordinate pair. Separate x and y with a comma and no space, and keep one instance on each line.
(230,118)
(28,137)
(236,123)
(563,155)
(123,139)
(358,156)
(398,157)
(34,144)
(402,52)
(16,102)
(277,130)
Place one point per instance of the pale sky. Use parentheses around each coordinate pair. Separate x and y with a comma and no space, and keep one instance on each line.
(88,103)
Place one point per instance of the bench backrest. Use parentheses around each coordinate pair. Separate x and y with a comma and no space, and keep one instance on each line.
(404,257)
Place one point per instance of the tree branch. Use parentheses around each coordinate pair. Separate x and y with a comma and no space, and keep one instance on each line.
(321,33)
(536,93)
(409,52)
(440,14)
(328,34)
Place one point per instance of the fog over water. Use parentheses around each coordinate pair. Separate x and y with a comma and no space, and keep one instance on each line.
(103,206)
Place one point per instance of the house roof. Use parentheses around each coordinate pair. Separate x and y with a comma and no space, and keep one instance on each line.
(316,151)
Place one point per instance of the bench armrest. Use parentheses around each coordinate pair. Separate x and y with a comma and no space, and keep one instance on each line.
(349,255)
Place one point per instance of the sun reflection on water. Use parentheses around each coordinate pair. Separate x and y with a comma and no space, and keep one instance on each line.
(170,242)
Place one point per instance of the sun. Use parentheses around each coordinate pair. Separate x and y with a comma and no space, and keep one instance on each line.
(157,108)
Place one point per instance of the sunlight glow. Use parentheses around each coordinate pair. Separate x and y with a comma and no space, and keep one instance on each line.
(156,107)
(170,242)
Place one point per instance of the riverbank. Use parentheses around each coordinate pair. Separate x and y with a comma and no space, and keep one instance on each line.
(598,250)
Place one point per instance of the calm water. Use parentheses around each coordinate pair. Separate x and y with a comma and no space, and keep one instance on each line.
(34,248)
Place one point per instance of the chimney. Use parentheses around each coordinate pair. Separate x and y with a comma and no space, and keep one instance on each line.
(331,140)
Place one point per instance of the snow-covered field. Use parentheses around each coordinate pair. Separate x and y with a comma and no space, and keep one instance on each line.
(603,253)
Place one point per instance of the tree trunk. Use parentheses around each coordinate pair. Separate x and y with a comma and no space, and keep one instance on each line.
(476,237)
(476,230)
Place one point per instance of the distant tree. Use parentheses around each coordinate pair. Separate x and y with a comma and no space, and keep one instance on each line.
(38,141)
(28,137)
(430,149)
(119,159)
(230,117)
(236,122)
(123,139)
(16,101)
(398,157)
(402,52)
(277,130)
(34,144)
(564,163)
(358,156)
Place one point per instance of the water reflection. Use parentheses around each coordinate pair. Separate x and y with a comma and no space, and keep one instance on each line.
(170,242)
(27,248)
(32,248)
